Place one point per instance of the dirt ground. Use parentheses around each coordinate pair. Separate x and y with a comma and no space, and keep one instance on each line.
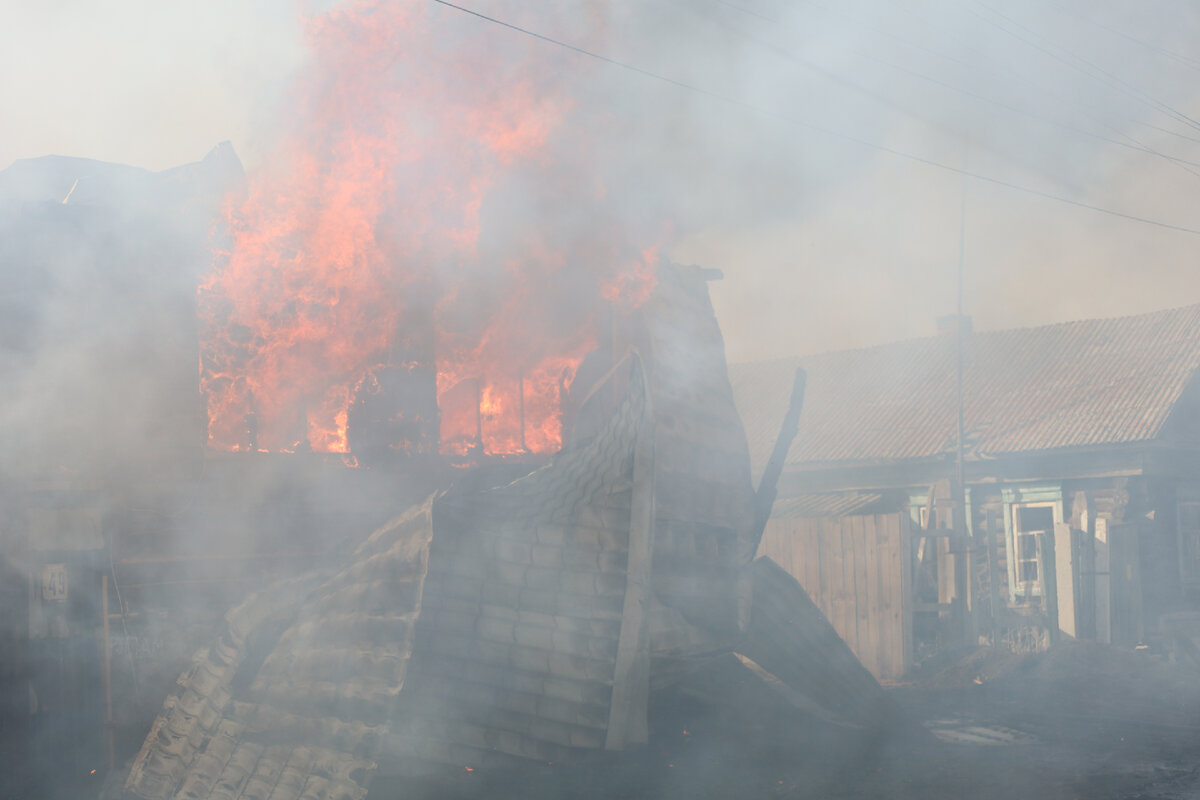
(1079,722)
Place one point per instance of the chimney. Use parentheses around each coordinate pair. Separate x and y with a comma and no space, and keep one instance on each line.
(951,324)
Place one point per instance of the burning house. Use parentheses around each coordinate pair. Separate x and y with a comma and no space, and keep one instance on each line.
(578,539)
(423,304)
(525,621)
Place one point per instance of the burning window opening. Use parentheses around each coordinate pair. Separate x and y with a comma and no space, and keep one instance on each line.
(412,409)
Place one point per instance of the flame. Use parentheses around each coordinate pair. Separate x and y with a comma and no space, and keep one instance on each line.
(359,247)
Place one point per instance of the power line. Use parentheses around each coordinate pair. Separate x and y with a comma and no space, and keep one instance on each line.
(819,128)
(745,10)
(1040,86)
(1132,143)
(1150,100)
(1136,146)
(1187,61)
(789,56)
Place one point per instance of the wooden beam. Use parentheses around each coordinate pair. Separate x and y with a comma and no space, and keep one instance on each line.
(1065,579)
(994,533)
(627,721)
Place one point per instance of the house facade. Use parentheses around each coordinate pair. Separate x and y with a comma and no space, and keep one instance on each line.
(1078,509)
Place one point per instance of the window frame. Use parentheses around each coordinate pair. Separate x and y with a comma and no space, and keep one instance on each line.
(1015,499)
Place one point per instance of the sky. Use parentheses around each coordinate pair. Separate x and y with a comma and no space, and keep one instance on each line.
(809,149)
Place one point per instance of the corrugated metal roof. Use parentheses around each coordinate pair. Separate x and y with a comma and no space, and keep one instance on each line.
(1073,384)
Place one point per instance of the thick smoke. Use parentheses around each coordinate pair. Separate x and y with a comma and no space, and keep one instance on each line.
(1063,97)
(810,149)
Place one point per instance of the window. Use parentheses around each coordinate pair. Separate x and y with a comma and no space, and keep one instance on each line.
(1032,532)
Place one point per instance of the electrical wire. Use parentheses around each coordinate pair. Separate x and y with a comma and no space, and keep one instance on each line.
(1133,144)
(1145,97)
(745,10)
(1041,87)
(820,128)
(1186,61)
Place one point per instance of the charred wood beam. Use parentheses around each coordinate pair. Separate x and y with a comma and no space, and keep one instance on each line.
(768,486)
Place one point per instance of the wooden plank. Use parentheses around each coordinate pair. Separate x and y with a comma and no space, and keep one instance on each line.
(945,571)
(1103,580)
(846,527)
(849,570)
(889,579)
(904,618)
(1064,579)
(768,545)
(1049,577)
(824,570)
(850,528)
(888,541)
(889,596)
(994,531)
(787,548)
(627,722)
(870,597)
(812,548)
(863,531)
(810,552)
(863,528)
(831,572)
(876,600)
(838,574)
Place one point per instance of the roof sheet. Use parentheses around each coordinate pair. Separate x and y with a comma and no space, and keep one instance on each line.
(1073,384)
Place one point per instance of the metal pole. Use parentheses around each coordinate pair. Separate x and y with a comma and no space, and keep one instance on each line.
(958,348)
(962,559)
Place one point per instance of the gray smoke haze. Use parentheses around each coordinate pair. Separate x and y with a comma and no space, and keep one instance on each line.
(781,142)
(825,242)
(786,142)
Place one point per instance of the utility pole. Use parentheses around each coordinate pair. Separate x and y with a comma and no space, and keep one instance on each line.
(961,608)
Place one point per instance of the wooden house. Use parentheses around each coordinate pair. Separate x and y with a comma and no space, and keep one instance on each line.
(1080,483)
(497,625)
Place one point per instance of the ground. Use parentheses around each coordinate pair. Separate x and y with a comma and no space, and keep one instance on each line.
(1080,722)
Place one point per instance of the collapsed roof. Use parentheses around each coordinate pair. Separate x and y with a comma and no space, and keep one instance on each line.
(524,621)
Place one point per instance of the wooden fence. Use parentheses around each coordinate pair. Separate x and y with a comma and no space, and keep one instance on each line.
(858,571)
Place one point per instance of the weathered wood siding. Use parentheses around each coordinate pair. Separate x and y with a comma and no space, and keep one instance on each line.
(856,569)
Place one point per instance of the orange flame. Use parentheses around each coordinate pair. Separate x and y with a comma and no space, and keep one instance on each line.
(357,248)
